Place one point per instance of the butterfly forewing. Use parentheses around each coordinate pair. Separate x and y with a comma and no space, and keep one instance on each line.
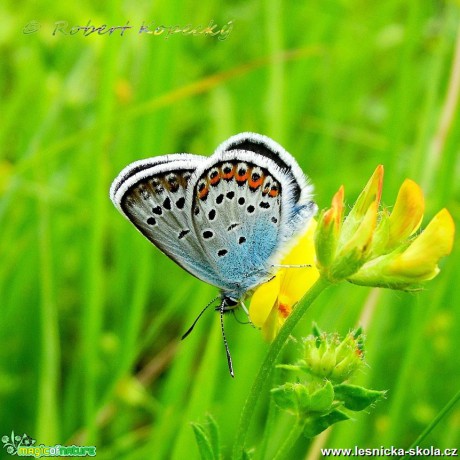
(151,193)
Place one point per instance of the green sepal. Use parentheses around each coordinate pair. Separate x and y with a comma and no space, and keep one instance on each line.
(290,396)
(356,398)
(317,424)
(302,399)
(322,399)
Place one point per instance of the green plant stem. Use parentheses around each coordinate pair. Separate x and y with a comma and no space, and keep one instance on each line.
(268,364)
(290,440)
(436,420)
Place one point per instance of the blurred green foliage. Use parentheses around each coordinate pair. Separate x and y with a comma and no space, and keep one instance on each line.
(91,313)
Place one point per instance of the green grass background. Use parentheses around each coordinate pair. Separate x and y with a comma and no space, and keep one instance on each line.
(91,313)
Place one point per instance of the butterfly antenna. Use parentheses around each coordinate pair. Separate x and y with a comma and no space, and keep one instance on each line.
(198,317)
(227,351)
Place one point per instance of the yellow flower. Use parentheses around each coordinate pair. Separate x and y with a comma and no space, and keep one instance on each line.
(352,237)
(273,301)
(370,247)
(413,263)
(375,248)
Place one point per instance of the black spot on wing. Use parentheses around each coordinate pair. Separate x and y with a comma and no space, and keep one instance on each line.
(183,233)
(167,203)
(180,203)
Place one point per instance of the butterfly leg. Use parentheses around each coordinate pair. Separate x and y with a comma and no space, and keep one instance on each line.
(227,351)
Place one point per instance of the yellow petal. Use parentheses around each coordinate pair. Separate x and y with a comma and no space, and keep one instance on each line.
(263,300)
(295,282)
(407,214)
(303,251)
(420,259)
(273,323)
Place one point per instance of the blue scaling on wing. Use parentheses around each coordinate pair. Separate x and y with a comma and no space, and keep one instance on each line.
(246,206)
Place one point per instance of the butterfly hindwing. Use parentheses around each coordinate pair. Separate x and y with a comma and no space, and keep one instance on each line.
(232,208)
(298,190)
(245,205)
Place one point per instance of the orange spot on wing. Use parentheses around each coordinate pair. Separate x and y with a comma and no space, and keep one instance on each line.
(203,193)
(243,177)
(256,183)
(228,175)
(273,192)
(215,180)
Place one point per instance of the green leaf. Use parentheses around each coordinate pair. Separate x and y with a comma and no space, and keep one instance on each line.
(356,398)
(207,438)
(317,424)
(213,432)
(247,454)
(204,443)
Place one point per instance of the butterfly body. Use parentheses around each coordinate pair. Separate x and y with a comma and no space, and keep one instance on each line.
(226,219)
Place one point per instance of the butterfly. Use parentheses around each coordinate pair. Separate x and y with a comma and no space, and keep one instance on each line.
(226,219)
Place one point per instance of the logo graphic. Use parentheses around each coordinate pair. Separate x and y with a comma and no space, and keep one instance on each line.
(24,446)
(14,442)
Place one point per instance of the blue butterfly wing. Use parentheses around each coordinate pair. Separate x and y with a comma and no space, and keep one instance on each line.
(246,207)
(225,219)
(297,189)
